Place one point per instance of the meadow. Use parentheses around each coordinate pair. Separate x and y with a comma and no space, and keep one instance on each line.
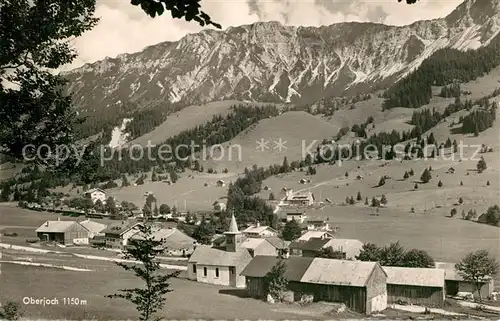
(189,300)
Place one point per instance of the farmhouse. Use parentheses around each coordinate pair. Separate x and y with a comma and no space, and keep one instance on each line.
(94,228)
(259,231)
(418,286)
(318,225)
(299,199)
(309,248)
(96,194)
(63,232)
(260,246)
(175,242)
(315,234)
(361,286)
(347,249)
(454,283)
(221,266)
(117,235)
(298,216)
(221,183)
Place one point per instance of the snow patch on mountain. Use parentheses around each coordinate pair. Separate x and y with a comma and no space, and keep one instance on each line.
(118,136)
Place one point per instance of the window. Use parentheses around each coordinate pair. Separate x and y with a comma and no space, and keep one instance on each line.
(231,270)
(194,268)
(205,271)
(216,272)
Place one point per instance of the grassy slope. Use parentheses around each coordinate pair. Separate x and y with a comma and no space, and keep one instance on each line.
(185,119)
(292,127)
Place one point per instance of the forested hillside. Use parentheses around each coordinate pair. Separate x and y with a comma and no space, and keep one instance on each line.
(444,67)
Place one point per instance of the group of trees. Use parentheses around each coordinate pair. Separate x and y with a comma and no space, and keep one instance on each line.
(479,120)
(395,255)
(444,67)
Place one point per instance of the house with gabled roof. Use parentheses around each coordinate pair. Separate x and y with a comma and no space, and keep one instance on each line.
(221,266)
(315,234)
(420,286)
(117,235)
(63,232)
(454,283)
(96,194)
(258,230)
(94,228)
(361,286)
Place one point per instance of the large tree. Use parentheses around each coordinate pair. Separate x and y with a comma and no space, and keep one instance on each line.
(149,299)
(291,231)
(477,267)
(35,39)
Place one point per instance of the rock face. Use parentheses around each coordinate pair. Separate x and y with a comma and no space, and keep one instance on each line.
(267,61)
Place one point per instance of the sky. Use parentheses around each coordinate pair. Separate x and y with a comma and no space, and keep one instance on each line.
(124,28)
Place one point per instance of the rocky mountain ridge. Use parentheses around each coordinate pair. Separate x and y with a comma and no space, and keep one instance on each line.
(267,61)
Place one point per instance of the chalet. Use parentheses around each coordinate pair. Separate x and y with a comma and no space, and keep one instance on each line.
(63,232)
(419,286)
(317,225)
(347,249)
(174,241)
(315,234)
(309,248)
(451,170)
(304,181)
(221,266)
(117,235)
(361,286)
(94,228)
(299,199)
(454,283)
(221,183)
(96,194)
(259,231)
(298,216)
(359,178)
(260,246)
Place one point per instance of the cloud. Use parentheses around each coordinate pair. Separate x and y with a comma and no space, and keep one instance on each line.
(126,28)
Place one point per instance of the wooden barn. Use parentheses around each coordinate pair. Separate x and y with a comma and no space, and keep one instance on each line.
(454,283)
(418,286)
(63,232)
(361,286)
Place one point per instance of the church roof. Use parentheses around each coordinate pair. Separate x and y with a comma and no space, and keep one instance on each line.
(233,227)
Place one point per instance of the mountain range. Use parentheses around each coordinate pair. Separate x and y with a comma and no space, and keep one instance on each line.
(270,62)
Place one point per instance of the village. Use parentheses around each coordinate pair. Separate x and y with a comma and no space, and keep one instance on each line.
(242,256)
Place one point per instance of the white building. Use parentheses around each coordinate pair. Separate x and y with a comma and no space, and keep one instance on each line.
(301,199)
(258,231)
(93,227)
(298,216)
(96,194)
(316,235)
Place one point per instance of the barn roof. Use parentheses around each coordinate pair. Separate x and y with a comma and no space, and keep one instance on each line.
(313,244)
(339,272)
(119,228)
(296,266)
(92,226)
(415,276)
(92,190)
(257,229)
(206,255)
(173,239)
(55,226)
(252,243)
(277,242)
(313,234)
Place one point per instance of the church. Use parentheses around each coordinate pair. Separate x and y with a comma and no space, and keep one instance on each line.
(221,266)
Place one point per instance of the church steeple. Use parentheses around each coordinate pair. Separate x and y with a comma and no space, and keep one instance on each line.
(233,236)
